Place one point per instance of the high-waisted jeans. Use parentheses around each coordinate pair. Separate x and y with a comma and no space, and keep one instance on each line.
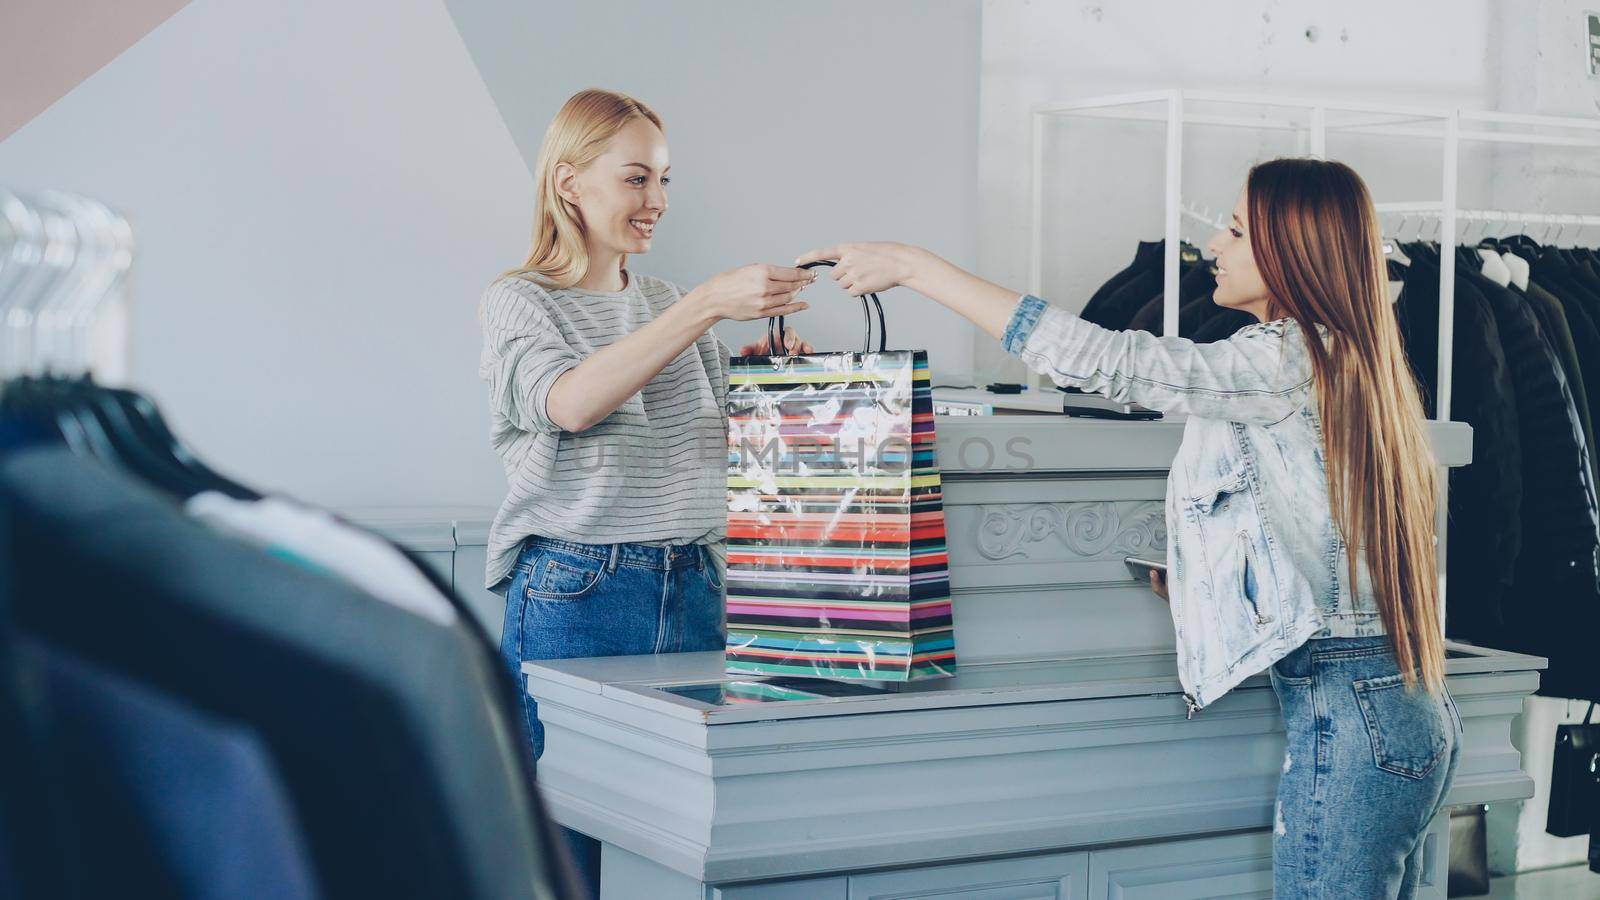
(1365,771)
(568,600)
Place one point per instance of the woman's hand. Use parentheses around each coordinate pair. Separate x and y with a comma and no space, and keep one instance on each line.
(791,344)
(1158,583)
(756,291)
(868,267)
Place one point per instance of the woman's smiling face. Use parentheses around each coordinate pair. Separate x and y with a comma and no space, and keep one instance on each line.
(622,195)
(1239,283)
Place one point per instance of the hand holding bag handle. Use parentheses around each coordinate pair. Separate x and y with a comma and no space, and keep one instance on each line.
(775,337)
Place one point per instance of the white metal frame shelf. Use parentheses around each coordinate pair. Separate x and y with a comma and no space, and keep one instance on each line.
(1314,125)
(1310,119)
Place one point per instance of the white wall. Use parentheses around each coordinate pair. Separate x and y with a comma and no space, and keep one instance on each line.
(321,191)
(1543,71)
(790,126)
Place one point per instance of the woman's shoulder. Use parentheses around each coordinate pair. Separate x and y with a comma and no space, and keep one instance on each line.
(519,285)
(1280,344)
(517,303)
(1272,329)
(1278,332)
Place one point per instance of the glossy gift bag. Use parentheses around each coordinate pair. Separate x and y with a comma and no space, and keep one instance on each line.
(837,566)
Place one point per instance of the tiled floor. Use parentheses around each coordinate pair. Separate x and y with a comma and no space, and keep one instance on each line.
(1568,883)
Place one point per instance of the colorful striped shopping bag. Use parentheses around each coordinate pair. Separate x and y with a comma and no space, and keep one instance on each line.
(837,566)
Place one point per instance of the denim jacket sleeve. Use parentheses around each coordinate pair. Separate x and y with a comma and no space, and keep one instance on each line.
(1260,375)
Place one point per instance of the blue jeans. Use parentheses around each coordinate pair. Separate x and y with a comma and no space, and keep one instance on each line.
(569,600)
(1365,770)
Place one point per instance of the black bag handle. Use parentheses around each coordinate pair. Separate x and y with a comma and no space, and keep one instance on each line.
(775,339)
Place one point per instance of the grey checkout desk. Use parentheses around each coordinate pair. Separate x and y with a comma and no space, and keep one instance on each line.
(1057,763)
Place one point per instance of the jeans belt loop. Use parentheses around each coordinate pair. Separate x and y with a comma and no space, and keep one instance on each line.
(611,564)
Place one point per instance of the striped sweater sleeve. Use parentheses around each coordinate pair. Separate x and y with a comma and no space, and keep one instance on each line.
(523,354)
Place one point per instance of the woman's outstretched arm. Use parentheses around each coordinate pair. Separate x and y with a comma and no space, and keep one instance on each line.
(1256,376)
(869,267)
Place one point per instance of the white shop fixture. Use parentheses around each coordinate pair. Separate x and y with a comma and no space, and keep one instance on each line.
(1421,139)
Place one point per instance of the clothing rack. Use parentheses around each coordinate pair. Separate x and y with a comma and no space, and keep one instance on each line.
(65,263)
(1310,120)
(1203,217)
(1428,211)
(210,573)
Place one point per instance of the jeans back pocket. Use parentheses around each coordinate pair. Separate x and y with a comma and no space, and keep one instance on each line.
(1406,727)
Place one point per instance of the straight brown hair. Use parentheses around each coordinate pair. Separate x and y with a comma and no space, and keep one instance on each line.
(1316,240)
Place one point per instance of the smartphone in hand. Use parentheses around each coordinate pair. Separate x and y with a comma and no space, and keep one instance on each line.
(1140,569)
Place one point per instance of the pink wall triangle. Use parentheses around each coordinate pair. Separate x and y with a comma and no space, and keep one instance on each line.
(48,47)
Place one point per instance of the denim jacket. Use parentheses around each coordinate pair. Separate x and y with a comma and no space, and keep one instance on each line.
(1255,563)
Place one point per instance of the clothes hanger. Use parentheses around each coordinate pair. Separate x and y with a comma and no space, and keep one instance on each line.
(1567,254)
(1492,267)
(89,249)
(43,270)
(1457,246)
(1391,246)
(1433,241)
(22,242)
(135,424)
(1515,265)
(38,399)
(1421,249)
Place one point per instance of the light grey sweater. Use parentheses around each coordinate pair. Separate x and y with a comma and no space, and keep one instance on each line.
(654,471)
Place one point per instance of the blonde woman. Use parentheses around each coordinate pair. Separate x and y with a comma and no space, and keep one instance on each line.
(1304,440)
(607,397)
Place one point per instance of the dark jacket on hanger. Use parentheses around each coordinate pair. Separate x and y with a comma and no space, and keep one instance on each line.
(1555,591)
(1199,281)
(1120,307)
(393,735)
(1127,300)
(1197,312)
(1146,258)
(1557,327)
(1221,324)
(164,800)
(1580,302)
(1485,533)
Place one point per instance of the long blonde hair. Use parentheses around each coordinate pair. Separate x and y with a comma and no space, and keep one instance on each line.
(1316,240)
(579,133)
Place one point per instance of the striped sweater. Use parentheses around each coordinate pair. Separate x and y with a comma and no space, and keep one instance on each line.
(654,471)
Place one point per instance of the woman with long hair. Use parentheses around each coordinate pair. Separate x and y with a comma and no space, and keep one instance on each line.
(608,410)
(1300,507)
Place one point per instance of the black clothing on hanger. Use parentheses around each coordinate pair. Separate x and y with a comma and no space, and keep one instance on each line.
(1147,257)
(402,761)
(1555,592)
(1117,310)
(1486,497)
(1199,281)
(1222,324)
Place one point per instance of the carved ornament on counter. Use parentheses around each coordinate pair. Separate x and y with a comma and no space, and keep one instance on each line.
(1092,530)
